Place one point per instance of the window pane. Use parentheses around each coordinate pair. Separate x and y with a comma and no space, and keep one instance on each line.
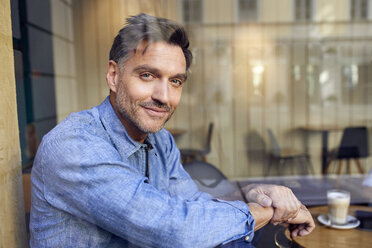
(359,9)
(248,10)
(303,10)
(192,10)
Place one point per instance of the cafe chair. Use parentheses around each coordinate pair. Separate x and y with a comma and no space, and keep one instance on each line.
(353,145)
(188,155)
(26,182)
(278,157)
(209,179)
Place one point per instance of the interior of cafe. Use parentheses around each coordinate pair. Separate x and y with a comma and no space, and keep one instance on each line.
(278,92)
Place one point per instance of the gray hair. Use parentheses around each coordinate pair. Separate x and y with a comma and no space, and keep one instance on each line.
(146,28)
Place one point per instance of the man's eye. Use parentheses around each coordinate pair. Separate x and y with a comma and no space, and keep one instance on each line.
(146,76)
(176,82)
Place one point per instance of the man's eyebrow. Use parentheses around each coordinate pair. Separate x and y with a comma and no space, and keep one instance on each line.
(157,72)
(142,68)
(183,76)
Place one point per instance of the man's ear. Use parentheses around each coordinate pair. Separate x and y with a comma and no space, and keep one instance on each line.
(113,76)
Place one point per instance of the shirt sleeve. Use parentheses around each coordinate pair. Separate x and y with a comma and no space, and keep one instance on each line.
(102,189)
(180,182)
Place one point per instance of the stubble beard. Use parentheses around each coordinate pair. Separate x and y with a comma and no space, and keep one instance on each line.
(130,114)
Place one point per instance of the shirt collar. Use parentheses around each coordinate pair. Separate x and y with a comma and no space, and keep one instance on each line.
(117,131)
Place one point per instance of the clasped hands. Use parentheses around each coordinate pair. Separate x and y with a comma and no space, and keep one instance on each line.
(287,209)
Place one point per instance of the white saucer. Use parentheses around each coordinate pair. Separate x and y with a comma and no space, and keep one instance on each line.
(352,222)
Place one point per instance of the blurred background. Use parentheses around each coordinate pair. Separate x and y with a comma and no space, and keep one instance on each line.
(271,75)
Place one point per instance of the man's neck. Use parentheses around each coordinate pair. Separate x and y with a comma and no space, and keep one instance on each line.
(133,132)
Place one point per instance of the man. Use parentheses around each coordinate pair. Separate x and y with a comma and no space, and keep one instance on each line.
(111,176)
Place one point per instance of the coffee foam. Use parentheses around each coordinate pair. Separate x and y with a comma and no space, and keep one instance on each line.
(338,197)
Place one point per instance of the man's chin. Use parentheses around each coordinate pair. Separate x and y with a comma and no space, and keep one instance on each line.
(152,128)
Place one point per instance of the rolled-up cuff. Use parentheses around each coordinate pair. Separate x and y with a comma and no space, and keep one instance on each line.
(248,234)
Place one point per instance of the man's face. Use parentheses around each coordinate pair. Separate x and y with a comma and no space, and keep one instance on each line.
(150,86)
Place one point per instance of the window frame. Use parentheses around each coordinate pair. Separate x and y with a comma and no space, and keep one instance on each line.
(237,12)
(182,12)
(359,16)
(312,13)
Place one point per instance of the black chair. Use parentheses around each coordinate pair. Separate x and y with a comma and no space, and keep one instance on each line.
(353,145)
(279,157)
(209,179)
(188,155)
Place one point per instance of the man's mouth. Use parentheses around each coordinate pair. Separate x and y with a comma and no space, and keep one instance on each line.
(155,112)
(156,106)
(155,109)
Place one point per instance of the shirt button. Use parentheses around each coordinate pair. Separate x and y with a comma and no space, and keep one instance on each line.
(246,238)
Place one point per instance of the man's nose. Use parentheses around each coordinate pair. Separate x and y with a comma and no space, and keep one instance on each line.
(161,91)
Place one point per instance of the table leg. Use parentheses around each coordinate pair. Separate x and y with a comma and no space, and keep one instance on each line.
(324,150)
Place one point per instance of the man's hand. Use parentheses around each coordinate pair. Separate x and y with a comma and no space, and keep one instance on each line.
(286,205)
(303,224)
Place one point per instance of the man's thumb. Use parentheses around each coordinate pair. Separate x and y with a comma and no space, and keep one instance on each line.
(264,200)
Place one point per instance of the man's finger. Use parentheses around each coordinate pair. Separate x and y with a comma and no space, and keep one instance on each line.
(266,201)
(303,232)
(280,213)
(262,199)
(297,230)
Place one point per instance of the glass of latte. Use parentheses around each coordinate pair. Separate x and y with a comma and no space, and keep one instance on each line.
(338,206)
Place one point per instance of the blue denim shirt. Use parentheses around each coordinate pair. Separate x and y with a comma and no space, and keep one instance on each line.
(89,189)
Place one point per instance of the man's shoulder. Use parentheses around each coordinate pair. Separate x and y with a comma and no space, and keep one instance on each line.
(79,123)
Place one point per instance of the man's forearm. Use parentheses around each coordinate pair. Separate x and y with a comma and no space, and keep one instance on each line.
(261,215)
(234,196)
